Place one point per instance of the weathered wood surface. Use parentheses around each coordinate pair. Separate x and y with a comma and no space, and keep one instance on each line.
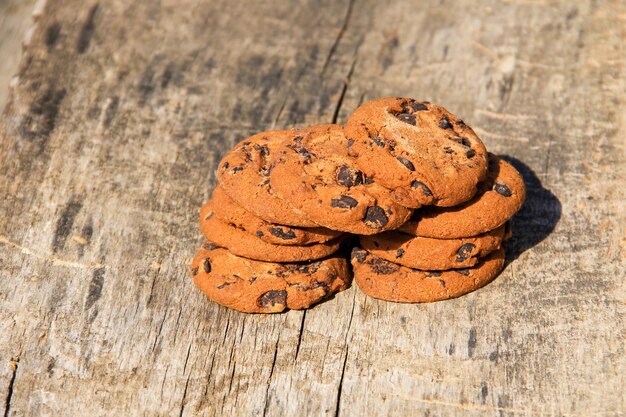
(15,20)
(108,145)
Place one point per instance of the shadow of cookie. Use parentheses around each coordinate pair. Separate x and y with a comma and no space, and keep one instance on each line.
(538,216)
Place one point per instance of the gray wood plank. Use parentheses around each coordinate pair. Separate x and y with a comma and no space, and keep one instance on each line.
(109,142)
(15,20)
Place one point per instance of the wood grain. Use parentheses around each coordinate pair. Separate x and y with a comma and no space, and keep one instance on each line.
(109,143)
(15,20)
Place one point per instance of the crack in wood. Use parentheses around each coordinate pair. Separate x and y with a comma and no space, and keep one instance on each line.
(187,358)
(156,339)
(345,361)
(300,335)
(232,378)
(340,387)
(269,378)
(343,91)
(7,401)
(182,402)
(342,30)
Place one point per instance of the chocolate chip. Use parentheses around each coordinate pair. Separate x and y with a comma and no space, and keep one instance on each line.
(350,143)
(434,273)
(279,232)
(417,106)
(464,251)
(462,141)
(266,171)
(272,298)
(383,267)
(264,150)
(252,279)
(302,151)
(367,180)
(297,138)
(237,169)
(259,233)
(470,153)
(344,202)
(425,189)
(320,284)
(206,265)
(378,141)
(194,271)
(225,165)
(400,253)
(349,177)
(359,254)
(305,153)
(406,163)
(464,271)
(302,268)
(226,284)
(406,118)
(444,123)
(448,149)
(461,124)
(502,189)
(209,246)
(375,217)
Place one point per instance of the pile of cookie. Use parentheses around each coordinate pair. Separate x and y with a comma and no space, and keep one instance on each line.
(406,186)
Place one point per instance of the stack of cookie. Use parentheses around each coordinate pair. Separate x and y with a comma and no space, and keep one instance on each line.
(411,179)
(443,252)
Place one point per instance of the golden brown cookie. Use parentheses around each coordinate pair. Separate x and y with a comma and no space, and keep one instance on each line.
(420,150)
(244,175)
(265,287)
(432,254)
(499,197)
(314,173)
(385,280)
(244,244)
(228,211)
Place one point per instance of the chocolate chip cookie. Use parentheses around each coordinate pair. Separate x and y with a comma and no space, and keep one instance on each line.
(228,211)
(265,287)
(432,254)
(422,152)
(385,280)
(247,245)
(314,173)
(244,175)
(499,197)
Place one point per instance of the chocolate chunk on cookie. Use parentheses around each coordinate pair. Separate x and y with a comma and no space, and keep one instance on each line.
(430,253)
(418,149)
(244,173)
(265,287)
(315,174)
(388,281)
(241,243)
(498,198)
(228,211)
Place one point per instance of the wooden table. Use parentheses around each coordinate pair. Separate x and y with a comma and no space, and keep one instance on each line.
(109,142)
